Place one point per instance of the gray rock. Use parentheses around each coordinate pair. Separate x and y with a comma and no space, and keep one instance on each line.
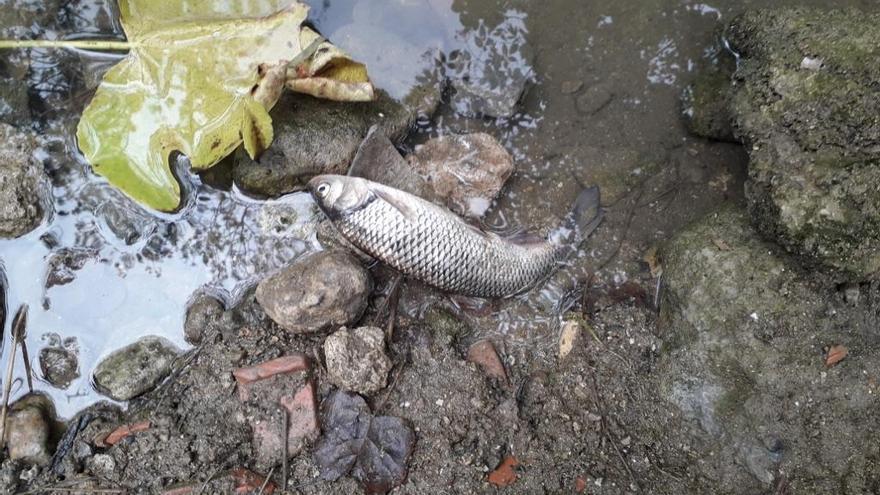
(314,137)
(805,105)
(744,332)
(318,291)
(136,368)
(595,98)
(201,314)
(60,366)
(21,184)
(356,359)
(31,437)
(465,171)
(491,75)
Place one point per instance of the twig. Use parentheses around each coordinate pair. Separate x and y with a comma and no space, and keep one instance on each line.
(609,437)
(19,334)
(84,44)
(266,481)
(18,322)
(286,452)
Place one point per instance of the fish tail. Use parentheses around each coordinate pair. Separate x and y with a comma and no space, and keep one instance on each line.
(586,214)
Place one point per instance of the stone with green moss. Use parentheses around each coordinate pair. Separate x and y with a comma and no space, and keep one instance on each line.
(744,330)
(806,105)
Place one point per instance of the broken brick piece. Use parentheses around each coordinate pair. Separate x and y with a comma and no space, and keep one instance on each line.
(835,354)
(302,426)
(121,432)
(483,354)
(247,481)
(268,387)
(505,473)
(580,484)
(237,480)
(251,374)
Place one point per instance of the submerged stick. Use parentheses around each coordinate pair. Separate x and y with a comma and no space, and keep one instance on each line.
(19,322)
(115,45)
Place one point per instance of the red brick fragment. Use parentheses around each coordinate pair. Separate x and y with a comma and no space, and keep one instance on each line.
(121,432)
(835,354)
(240,480)
(580,484)
(251,374)
(483,354)
(302,423)
(247,481)
(505,473)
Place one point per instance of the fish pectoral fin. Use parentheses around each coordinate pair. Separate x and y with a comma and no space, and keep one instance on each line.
(398,205)
(525,238)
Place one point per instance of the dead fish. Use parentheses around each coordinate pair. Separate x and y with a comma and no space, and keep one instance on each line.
(430,243)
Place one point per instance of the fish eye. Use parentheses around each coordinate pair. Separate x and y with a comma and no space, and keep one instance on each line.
(322,189)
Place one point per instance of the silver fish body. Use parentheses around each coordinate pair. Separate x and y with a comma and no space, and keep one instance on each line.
(429,243)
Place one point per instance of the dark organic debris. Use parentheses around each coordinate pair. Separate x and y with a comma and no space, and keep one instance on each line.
(374,449)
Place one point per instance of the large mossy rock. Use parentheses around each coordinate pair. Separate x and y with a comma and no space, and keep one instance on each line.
(746,335)
(806,104)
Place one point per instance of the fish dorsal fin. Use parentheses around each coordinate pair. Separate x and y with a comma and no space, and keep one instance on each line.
(395,202)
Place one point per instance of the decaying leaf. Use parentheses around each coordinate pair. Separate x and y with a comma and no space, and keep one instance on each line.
(199,79)
(835,354)
(375,450)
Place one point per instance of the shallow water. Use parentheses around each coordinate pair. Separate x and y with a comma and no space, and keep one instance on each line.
(603,107)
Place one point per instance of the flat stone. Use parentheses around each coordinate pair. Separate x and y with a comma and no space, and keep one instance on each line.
(483,354)
(318,291)
(356,359)
(136,368)
(466,171)
(594,99)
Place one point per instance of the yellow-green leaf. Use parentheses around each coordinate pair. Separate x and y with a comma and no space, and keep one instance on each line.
(199,80)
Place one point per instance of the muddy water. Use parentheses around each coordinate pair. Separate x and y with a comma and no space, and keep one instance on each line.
(603,107)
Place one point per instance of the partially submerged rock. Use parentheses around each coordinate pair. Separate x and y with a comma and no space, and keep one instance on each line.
(493,72)
(316,292)
(463,172)
(60,366)
(356,359)
(314,137)
(745,335)
(20,183)
(706,102)
(136,368)
(467,171)
(805,104)
(31,430)
(201,314)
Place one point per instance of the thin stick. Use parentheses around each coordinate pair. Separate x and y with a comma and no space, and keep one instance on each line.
(285,415)
(19,334)
(83,44)
(266,481)
(18,322)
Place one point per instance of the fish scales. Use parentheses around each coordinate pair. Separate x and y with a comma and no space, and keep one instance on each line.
(443,251)
(429,243)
